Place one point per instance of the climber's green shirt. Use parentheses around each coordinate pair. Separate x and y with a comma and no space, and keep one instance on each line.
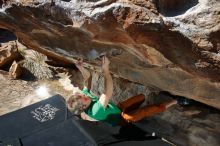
(111,114)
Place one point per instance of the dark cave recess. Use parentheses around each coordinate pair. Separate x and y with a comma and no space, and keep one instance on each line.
(171,8)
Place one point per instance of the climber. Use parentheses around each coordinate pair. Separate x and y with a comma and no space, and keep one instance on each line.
(93,108)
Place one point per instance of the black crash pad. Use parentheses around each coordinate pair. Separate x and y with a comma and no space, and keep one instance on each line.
(66,133)
(11,142)
(33,118)
(130,134)
(77,132)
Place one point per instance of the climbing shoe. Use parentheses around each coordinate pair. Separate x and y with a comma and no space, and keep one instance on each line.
(183,101)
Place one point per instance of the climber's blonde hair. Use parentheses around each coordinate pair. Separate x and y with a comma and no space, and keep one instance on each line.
(74,104)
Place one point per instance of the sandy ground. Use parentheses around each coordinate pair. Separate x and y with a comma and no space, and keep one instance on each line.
(15,94)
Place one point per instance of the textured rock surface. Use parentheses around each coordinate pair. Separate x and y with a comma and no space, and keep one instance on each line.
(191,126)
(179,54)
(123,89)
(8,53)
(15,70)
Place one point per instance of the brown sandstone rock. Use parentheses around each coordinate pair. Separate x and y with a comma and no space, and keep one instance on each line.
(8,53)
(15,70)
(179,54)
